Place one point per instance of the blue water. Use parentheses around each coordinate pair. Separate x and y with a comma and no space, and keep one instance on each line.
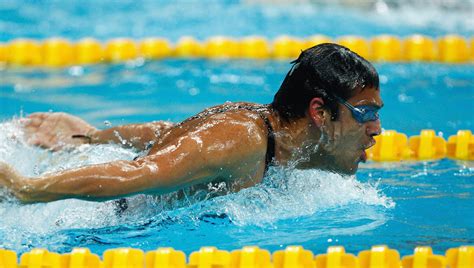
(399,204)
(113,18)
(417,96)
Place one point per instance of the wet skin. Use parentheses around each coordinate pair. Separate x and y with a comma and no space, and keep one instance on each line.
(347,138)
(226,146)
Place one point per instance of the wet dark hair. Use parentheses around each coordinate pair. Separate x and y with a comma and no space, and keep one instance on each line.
(323,71)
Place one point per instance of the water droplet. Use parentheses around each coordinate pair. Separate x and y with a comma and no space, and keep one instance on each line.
(20,88)
(193,91)
(381,7)
(180,83)
(138,62)
(76,71)
(402,97)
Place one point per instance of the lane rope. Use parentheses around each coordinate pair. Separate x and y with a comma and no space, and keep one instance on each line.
(394,146)
(60,52)
(247,257)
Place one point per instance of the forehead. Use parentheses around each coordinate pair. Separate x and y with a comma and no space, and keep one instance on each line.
(366,96)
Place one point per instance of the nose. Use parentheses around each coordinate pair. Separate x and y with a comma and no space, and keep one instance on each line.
(373,128)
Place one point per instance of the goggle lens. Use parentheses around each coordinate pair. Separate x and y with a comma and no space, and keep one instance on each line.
(365,113)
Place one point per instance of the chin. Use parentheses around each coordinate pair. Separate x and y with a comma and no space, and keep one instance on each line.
(342,164)
(348,170)
(351,171)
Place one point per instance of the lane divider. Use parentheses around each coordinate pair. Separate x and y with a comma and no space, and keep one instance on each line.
(247,257)
(394,146)
(60,52)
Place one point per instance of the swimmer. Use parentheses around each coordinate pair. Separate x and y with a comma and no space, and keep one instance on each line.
(324,116)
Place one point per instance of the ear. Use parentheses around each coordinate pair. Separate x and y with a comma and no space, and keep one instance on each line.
(316,111)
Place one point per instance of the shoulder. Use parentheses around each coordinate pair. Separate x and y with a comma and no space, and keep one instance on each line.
(232,128)
(243,127)
(232,140)
(239,117)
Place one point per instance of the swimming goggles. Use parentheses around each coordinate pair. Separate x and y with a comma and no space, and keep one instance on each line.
(362,113)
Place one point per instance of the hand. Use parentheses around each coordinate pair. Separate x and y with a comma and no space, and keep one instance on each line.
(55,130)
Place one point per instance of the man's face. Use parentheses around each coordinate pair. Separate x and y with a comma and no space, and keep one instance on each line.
(347,139)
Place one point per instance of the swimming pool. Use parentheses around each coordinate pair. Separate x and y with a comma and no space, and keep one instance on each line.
(398,204)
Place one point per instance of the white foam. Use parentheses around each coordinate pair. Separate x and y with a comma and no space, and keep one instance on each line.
(298,193)
(31,161)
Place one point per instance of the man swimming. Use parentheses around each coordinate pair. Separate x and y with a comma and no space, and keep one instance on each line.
(324,116)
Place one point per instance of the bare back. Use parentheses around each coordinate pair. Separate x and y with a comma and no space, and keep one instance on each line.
(236,117)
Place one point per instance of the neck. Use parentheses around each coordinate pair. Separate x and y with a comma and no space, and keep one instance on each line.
(297,143)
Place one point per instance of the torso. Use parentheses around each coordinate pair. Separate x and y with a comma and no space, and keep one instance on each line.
(233,180)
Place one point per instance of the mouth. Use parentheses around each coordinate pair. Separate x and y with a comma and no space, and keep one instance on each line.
(363,155)
(370,144)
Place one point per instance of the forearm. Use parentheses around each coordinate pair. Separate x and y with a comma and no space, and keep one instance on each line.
(94,183)
(134,135)
(108,181)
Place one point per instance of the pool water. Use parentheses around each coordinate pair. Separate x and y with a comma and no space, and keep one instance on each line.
(137,19)
(399,204)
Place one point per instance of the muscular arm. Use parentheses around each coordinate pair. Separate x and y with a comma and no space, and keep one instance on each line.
(133,135)
(111,180)
(55,130)
(217,150)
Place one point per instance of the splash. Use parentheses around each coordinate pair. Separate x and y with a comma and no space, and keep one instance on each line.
(33,161)
(298,193)
(286,195)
